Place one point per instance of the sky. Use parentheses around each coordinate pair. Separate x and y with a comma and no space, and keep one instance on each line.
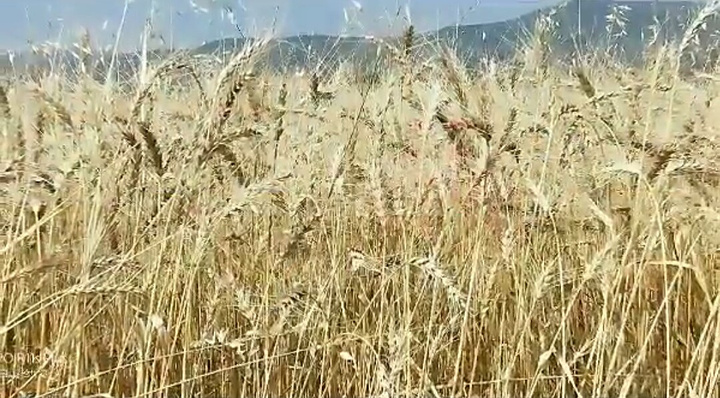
(186,23)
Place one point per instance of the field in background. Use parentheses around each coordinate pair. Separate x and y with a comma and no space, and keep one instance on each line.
(537,229)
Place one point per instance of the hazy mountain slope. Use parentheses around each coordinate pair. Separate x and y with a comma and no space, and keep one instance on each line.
(499,39)
(502,38)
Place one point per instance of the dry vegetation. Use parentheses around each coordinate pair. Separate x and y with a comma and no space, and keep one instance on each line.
(530,231)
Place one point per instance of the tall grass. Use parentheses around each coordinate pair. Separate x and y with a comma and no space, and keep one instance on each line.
(529,231)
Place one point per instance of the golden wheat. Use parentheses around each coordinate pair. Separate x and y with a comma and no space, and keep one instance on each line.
(530,230)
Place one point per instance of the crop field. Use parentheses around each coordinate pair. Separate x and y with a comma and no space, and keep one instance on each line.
(218,230)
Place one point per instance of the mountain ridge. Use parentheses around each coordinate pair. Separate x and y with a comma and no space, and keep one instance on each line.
(500,39)
(473,42)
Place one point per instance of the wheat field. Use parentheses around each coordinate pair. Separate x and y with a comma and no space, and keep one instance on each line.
(219,230)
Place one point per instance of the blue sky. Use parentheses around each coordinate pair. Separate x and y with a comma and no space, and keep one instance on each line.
(190,22)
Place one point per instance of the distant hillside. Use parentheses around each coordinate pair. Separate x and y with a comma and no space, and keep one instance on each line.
(472,42)
(299,51)
(501,39)
(589,17)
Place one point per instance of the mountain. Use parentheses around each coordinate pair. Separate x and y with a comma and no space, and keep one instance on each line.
(577,25)
(581,25)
